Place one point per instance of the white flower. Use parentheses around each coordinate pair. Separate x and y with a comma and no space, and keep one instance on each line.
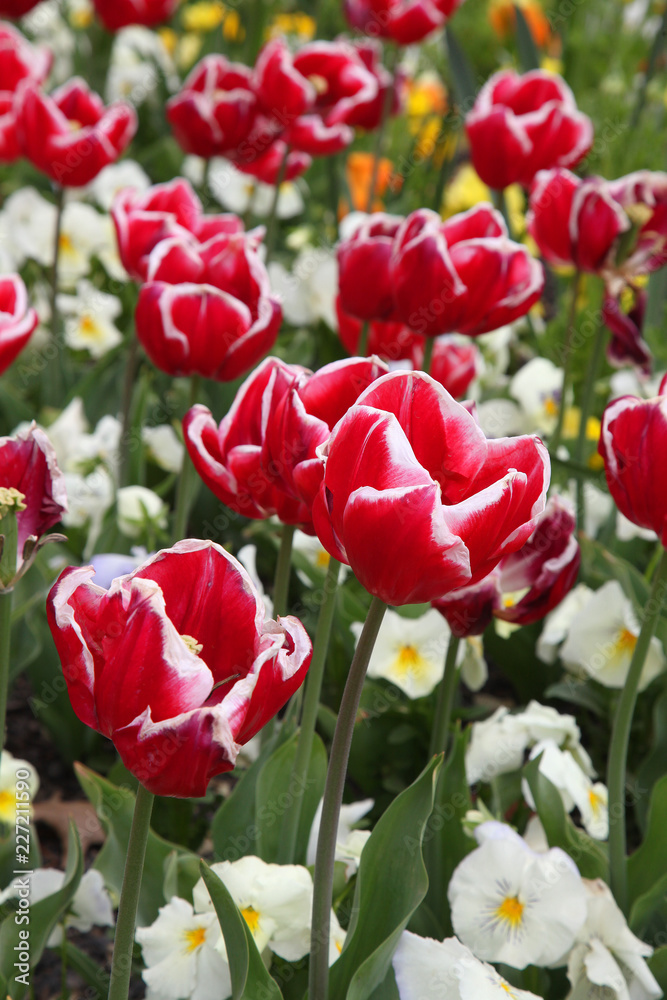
(239,192)
(84,234)
(89,319)
(510,904)
(336,939)
(247,556)
(114,178)
(557,623)
(500,418)
(575,787)
(349,842)
(308,293)
(90,906)
(44,23)
(537,388)
(29,225)
(139,61)
(138,508)
(88,498)
(164,447)
(179,950)
(274,900)
(602,639)
(426,969)
(409,652)
(607,959)
(626,530)
(311,547)
(10,796)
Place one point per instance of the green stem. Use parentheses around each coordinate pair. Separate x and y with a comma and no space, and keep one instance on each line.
(428,354)
(121,964)
(620,738)
(54,381)
(586,408)
(5,636)
(318,981)
(128,387)
(656,49)
(364,334)
(283,566)
(379,139)
(567,359)
(188,480)
(443,173)
(500,204)
(272,221)
(446,692)
(313,688)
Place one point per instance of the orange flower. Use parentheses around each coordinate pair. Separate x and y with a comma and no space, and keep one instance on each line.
(359,171)
(502,16)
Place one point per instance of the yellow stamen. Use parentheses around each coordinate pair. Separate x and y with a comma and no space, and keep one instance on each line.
(319,83)
(195,938)
(322,559)
(11,499)
(639,213)
(251,917)
(511,911)
(192,644)
(551,407)
(625,641)
(65,244)
(595,801)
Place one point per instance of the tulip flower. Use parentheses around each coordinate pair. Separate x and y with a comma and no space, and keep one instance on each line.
(70,135)
(462,275)
(524,123)
(627,346)
(634,434)
(17,319)
(119,14)
(368,251)
(525,585)
(389,340)
(175,663)
(16,8)
(404,21)
(410,480)
(19,61)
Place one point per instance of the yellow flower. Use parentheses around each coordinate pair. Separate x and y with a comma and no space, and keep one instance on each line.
(502,16)
(205,15)
(188,50)
(81,15)
(552,65)
(426,95)
(299,24)
(232,29)
(169,39)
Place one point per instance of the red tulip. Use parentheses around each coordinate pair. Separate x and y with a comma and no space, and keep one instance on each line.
(454,364)
(410,481)
(28,467)
(117,14)
(175,662)
(526,585)
(215,110)
(391,341)
(643,198)
(524,123)
(266,164)
(632,444)
(627,346)
(170,210)
(369,114)
(282,91)
(347,90)
(19,61)
(70,135)
(462,275)
(368,252)
(16,8)
(17,319)
(404,21)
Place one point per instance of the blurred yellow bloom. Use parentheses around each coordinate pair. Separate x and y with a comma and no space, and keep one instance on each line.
(205,15)
(502,16)
(232,29)
(299,24)
(188,50)
(467,189)
(169,39)
(81,15)
(359,171)
(571,421)
(426,95)
(552,65)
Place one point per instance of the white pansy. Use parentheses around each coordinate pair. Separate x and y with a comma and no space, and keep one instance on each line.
(535,835)
(312,549)
(83,235)
(10,796)
(602,639)
(274,900)
(65,431)
(426,969)
(247,556)
(575,787)
(29,224)
(629,383)
(511,904)
(139,62)
(336,939)
(626,530)
(90,906)
(114,178)
(44,23)
(181,957)
(409,652)
(557,623)
(349,842)
(499,417)
(139,509)
(88,499)
(308,293)
(495,347)
(599,505)
(471,660)
(537,388)
(89,319)
(607,959)
(103,445)
(240,193)
(164,447)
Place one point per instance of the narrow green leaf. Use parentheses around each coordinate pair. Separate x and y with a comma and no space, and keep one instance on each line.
(529,57)
(391,883)
(657,963)
(649,862)
(463,75)
(88,969)
(649,907)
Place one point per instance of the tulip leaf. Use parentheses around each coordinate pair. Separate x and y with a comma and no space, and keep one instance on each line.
(463,75)
(115,807)
(649,862)
(649,907)
(588,854)
(277,792)
(527,50)
(657,963)
(654,765)
(391,883)
(250,978)
(233,827)
(42,917)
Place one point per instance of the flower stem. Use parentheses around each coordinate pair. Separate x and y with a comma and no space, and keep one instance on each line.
(54,381)
(283,566)
(5,636)
(272,221)
(586,407)
(446,692)
(567,359)
(620,737)
(313,688)
(188,480)
(121,964)
(364,334)
(128,386)
(428,354)
(318,982)
(392,55)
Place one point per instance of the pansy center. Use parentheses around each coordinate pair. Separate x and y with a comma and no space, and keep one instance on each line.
(511,911)
(251,917)
(195,938)
(625,641)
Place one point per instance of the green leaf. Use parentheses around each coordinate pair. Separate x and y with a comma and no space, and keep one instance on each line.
(657,963)
(463,75)
(648,908)
(654,764)
(588,854)
(88,969)
(276,793)
(528,55)
(115,807)
(250,978)
(649,862)
(391,883)
(181,873)
(42,918)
